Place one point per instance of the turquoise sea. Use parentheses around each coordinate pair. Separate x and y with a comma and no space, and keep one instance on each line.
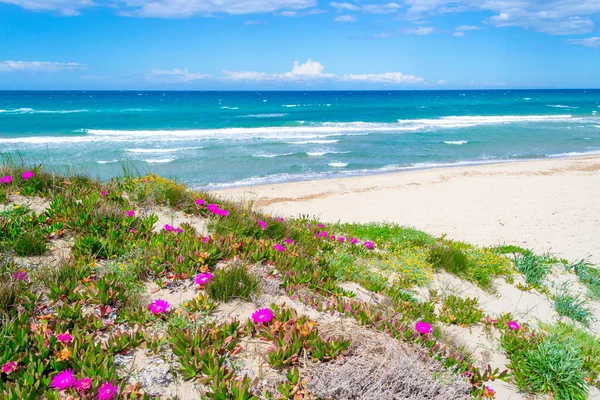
(220,139)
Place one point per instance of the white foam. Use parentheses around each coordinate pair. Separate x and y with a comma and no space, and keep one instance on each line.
(229,108)
(338,164)
(271,155)
(107,161)
(289,105)
(526,98)
(560,106)
(272,115)
(456,142)
(25,110)
(468,121)
(574,153)
(323,152)
(159,160)
(314,142)
(162,150)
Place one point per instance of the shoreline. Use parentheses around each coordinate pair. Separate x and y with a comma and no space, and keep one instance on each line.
(542,204)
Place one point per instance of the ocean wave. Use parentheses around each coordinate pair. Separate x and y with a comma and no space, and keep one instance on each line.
(559,106)
(162,150)
(289,105)
(229,108)
(324,152)
(107,161)
(314,142)
(159,160)
(338,164)
(456,142)
(526,98)
(25,110)
(469,121)
(574,154)
(271,155)
(272,115)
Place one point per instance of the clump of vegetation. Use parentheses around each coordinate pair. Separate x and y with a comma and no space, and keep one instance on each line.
(572,306)
(232,283)
(535,268)
(406,267)
(588,275)
(459,311)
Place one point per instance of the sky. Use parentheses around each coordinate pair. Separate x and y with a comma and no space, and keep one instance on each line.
(299,44)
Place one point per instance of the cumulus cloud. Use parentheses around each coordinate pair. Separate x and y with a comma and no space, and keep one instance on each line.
(10,66)
(345,18)
(419,31)
(587,42)
(386,8)
(464,28)
(344,6)
(62,7)
(458,34)
(176,75)
(387,77)
(254,22)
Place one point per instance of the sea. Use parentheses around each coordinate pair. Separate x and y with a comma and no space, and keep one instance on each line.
(214,139)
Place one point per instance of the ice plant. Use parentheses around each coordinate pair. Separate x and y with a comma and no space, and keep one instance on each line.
(205,239)
(159,306)
(20,276)
(368,245)
(9,367)
(203,279)
(423,327)
(289,241)
(199,202)
(104,193)
(263,225)
(279,247)
(513,325)
(64,338)
(83,384)
(488,392)
(320,225)
(131,213)
(353,240)
(342,239)
(63,380)
(27,175)
(223,213)
(6,179)
(107,391)
(262,316)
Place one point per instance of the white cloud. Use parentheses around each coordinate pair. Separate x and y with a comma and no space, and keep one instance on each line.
(176,75)
(419,31)
(344,6)
(345,18)
(10,66)
(254,22)
(458,34)
(288,13)
(587,42)
(63,7)
(441,82)
(465,28)
(387,77)
(387,8)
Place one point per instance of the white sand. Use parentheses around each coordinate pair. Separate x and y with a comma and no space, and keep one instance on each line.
(546,205)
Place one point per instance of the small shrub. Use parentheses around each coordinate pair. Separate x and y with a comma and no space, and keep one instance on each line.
(534,268)
(456,310)
(31,243)
(232,283)
(572,306)
(407,267)
(588,275)
(448,257)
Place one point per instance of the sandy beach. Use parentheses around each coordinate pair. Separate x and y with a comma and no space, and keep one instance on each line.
(546,205)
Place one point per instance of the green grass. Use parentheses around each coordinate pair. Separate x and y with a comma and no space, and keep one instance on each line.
(588,275)
(511,249)
(572,306)
(391,234)
(232,283)
(535,268)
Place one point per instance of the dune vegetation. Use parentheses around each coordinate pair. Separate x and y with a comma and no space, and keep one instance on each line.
(142,288)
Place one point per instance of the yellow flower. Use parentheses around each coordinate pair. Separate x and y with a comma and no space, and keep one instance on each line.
(17,193)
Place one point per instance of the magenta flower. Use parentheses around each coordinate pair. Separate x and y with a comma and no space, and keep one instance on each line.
(104,193)
(203,279)
(280,219)
(6,179)
(27,175)
(423,327)
(368,245)
(205,239)
(159,306)
(223,213)
(342,239)
(130,213)
(321,226)
(279,247)
(262,316)
(168,228)
(263,225)
(83,384)
(179,230)
(332,237)
(212,208)
(289,241)
(64,338)
(353,240)
(20,276)
(199,202)
(513,325)
(9,367)
(63,380)
(107,391)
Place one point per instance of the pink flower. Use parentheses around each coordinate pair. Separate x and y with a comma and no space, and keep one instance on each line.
(263,225)
(6,179)
(168,228)
(368,245)
(180,258)
(130,213)
(64,338)
(104,193)
(199,202)
(203,279)
(279,247)
(159,306)
(332,237)
(513,325)
(205,239)
(212,208)
(20,276)
(280,219)
(262,315)
(353,240)
(27,175)
(321,226)
(342,239)
(107,391)
(83,384)
(423,327)
(9,367)
(289,241)
(223,213)
(63,380)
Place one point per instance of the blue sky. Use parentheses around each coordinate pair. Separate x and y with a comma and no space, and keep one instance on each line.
(299,44)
